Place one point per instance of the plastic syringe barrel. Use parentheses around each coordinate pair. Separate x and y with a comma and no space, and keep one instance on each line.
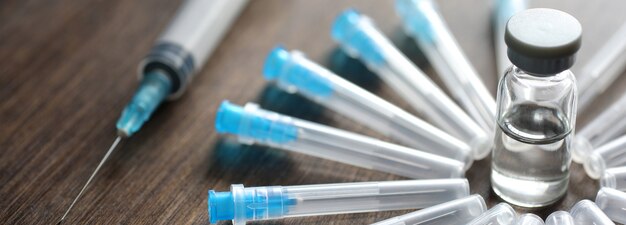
(274,202)
(614,178)
(293,71)
(359,38)
(602,69)
(587,212)
(612,154)
(254,125)
(189,39)
(423,22)
(613,204)
(502,11)
(603,128)
(500,214)
(458,211)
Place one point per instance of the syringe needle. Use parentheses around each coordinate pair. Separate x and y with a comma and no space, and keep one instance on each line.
(106,156)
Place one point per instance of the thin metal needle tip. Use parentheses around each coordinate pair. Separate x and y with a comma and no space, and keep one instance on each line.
(106,156)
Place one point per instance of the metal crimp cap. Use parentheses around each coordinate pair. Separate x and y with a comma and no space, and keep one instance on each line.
(543,41)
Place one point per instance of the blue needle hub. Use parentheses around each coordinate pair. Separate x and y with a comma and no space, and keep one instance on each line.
(154,88)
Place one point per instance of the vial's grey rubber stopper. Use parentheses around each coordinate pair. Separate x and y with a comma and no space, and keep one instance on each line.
(543,41)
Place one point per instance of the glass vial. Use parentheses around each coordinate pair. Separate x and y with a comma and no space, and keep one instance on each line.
(536,108)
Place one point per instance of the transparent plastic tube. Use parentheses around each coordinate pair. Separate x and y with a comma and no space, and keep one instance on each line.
(613,204)
(605,127)
(273,202)
(423,22)
(602,69)
(501,214)
(529,219)
(294,72)
(454,212)
(560,218)
(614,178)
(502,11)
(358,36)
(612,154)
(587,212)
(254,125)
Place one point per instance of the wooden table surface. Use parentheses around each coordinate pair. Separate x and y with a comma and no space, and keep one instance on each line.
(67,68)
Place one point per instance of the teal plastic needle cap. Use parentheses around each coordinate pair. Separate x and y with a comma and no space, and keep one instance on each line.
(417,16)
(153,90)
(358,36)
(247,204)
(258,125)
(275,63)
(543,41)
(293,70)
(221,206)
(228,118)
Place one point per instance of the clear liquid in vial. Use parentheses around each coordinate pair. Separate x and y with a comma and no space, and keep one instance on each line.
(531,159)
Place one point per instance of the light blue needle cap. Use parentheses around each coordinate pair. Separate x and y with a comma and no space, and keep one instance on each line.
(154,87)
(221,206)
(293,70)
(504,9)
(258,125)
(358,37)
(416,16)
(247,204)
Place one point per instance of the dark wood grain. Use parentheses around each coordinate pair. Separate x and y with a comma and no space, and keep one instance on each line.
(68,67)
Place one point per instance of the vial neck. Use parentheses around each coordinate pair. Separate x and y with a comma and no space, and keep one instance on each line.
(518,71)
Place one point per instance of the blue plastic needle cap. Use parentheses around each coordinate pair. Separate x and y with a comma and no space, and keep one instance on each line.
(228,118)
(345,24)
(153,89)
(293,70)
(414,14)
(275,63)
(259,126)
(221,206)
(358,36)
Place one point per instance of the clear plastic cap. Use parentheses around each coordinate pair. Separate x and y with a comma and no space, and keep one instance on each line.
(560,218)
(529,219)
(458,211)
(614,178)
(501,214)
(613,204)
(587,212)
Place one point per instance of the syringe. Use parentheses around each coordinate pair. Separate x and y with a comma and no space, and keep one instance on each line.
(603,128)
(500,214)
(358,36)
(502,11)
(602,69)
(609,155)
(459,211)
(613,204)
(422,21)
(587,212)
(274,202)
(614,178)
(176,57)
(254,125)
(293,72)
